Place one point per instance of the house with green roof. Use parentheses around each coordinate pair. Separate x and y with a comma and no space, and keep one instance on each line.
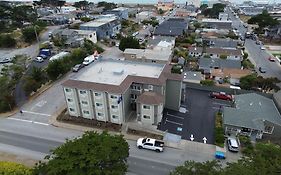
(252,115)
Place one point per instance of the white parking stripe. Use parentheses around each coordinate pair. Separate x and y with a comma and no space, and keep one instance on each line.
(36,113)
(28,121)
(174,116)
(173,122)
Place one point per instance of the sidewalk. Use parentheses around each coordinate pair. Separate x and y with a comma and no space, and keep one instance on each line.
(184,145)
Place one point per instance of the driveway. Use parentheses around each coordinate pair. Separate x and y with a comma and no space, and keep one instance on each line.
(199,119)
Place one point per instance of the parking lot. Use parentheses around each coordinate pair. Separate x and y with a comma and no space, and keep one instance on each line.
(199,118)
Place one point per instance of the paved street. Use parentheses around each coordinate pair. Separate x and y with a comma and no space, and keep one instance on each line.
(256,55)
(35,140)
(199,120)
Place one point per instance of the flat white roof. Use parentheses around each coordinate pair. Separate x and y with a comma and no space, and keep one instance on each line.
(215,20)
(157,53)
(114,72)
(99,22)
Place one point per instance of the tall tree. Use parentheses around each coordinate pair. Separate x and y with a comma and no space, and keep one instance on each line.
(129,42)
(92,154)
(263,20)
(81,4)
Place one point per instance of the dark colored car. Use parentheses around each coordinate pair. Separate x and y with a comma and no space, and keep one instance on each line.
(262,70)
(221,95)
(77,67)
(271,59)
(6,60)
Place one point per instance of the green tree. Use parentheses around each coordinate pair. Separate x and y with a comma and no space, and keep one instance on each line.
(22,14)
(106,5)
(129,42)
(29,34)
(207,82)
(11,168)
(7,41)
(245,56)
(30,85)
(263,20)
(55,69)
(214,11)
(92,154)
(247,81)
(203,7)
(191,167)
(161,11)
(81,4)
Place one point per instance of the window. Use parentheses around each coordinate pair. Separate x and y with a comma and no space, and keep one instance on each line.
(268,129)
(113,96)
(67,90)
(133,96)
(71,109)
(86,112)
(114,116)
(69,100)
(114,107)
(148,144)
(90,36)
(146,107)
(100,114)
(84,102)
(211,54)
(82,92)
(97,94)
(146,116)
(98,104)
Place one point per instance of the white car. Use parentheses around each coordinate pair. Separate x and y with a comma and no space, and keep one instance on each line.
(149,143)
(232,144)
(39,59)
(262,48)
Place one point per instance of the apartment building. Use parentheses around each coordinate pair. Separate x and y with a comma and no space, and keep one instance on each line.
(113,90)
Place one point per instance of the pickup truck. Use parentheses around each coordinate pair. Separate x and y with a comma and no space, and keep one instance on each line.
(152,144)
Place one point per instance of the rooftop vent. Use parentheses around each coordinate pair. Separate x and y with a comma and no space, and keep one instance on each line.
(119,71)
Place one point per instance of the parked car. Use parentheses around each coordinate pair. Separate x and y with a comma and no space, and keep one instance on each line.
(88,60)
(152,144)
(258,42)
(221,95)
(262,70)
(5,60)
(262,48)
(43,56)
(39,59)
(272,59)
(77,67)
(232,144)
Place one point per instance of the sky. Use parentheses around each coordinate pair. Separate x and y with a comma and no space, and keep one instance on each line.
(155,1)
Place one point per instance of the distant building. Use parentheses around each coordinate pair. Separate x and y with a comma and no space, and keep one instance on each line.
(58,19)
(196,3)
(251,10)
(112,90)
(223,16)
(67,9)
(104,27)
(144,15)
(230,54)
(195,51)
(159,54)
(221,43)
(120,12)
(172,27)
(217,24)
(165,5)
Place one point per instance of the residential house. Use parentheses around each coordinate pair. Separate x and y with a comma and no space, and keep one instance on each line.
(119,88)
(162,53)
(195,51)
(193,77)
(67,9)
(230,54)
(232,75)
(217,24)
(172,27)
(144,15)
(223,16)
(164,40)
(105,27)
(165,5)
(221,43)
(58,19)
(251,10)
(120,12)
(252,115)
(206,65)
(274,32)
(75,38)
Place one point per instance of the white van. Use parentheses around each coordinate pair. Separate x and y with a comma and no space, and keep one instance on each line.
(88,60)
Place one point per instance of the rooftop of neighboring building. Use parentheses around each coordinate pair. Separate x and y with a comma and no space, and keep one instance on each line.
(230,72)
(215,20)
(155,40)
(223,51)
(100,21)
(114,72)
(193,76)
(120,9)
(172,27)
(251,111)
(223,42)
(150,98)
(220,63)
(195,49)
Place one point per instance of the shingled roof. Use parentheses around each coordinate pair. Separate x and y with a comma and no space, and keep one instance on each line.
(150,98)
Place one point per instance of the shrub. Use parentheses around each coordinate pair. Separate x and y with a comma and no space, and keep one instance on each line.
(207,82)
(10,168)
(219,137)
(7,41)
(223,57)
